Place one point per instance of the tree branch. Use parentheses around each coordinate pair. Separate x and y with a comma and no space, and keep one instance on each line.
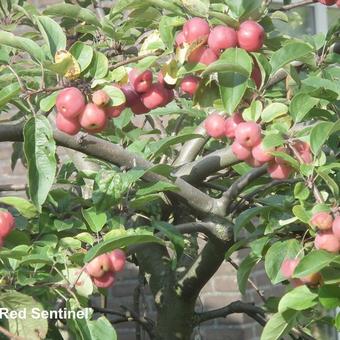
(238,206)
(190,149)
(210,229)
(198,170)
(203,268)
(294,5)
(12,187)
(116,154)
(133,59)
(237,187)
(250,309)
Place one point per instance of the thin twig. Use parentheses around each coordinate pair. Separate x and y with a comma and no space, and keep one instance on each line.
(294,5)
(258,291)
(133,59)
(11,336)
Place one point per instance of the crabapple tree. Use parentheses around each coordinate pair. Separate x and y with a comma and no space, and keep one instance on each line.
(190,130)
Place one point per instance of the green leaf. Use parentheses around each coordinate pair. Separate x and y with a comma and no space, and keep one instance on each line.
(95,220)
(156,187)
(120,242)
(300,105)
(81,280)
(243,8)
(172,234)
(82,53)
(273,111)
(46,104)
(25,208)
(329,181)
(286,54)
(8,92)
(24,44)
(116,95)
(99,65)
(221,66)
(272,140)
(39,148)
(244,218)
(313,263)
(301,192)
(287,158)
(36,259)
(300,298)
(319,135)
(29,327)
(279,325)
(52,33)
(244,270)
(301,213)
(74,12)
(142,202)
(101,329)
(197,7)
(329,296)
(61,67)
(161,146)
(253,112)
(273,262)
(233,85)
(167,26)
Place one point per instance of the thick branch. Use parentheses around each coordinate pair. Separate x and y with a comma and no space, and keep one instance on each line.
(235,307)
(210,229)
(116,154)
(237,187)
(190,149)
(12,187)
(203,268)
(197,171)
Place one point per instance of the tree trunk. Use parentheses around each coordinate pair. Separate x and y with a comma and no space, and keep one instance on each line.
(175,318)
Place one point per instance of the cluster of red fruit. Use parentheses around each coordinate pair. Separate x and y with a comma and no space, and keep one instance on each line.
(250,36)
(248,147)
(7,224)
(142,95)
(327,238)
(103,268)
(73,113)
(211,42)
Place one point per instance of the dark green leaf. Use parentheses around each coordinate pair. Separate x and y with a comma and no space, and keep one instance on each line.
(244,270)
(39,147)
(286,54)
(52,33)
(72,11)
(120,242)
